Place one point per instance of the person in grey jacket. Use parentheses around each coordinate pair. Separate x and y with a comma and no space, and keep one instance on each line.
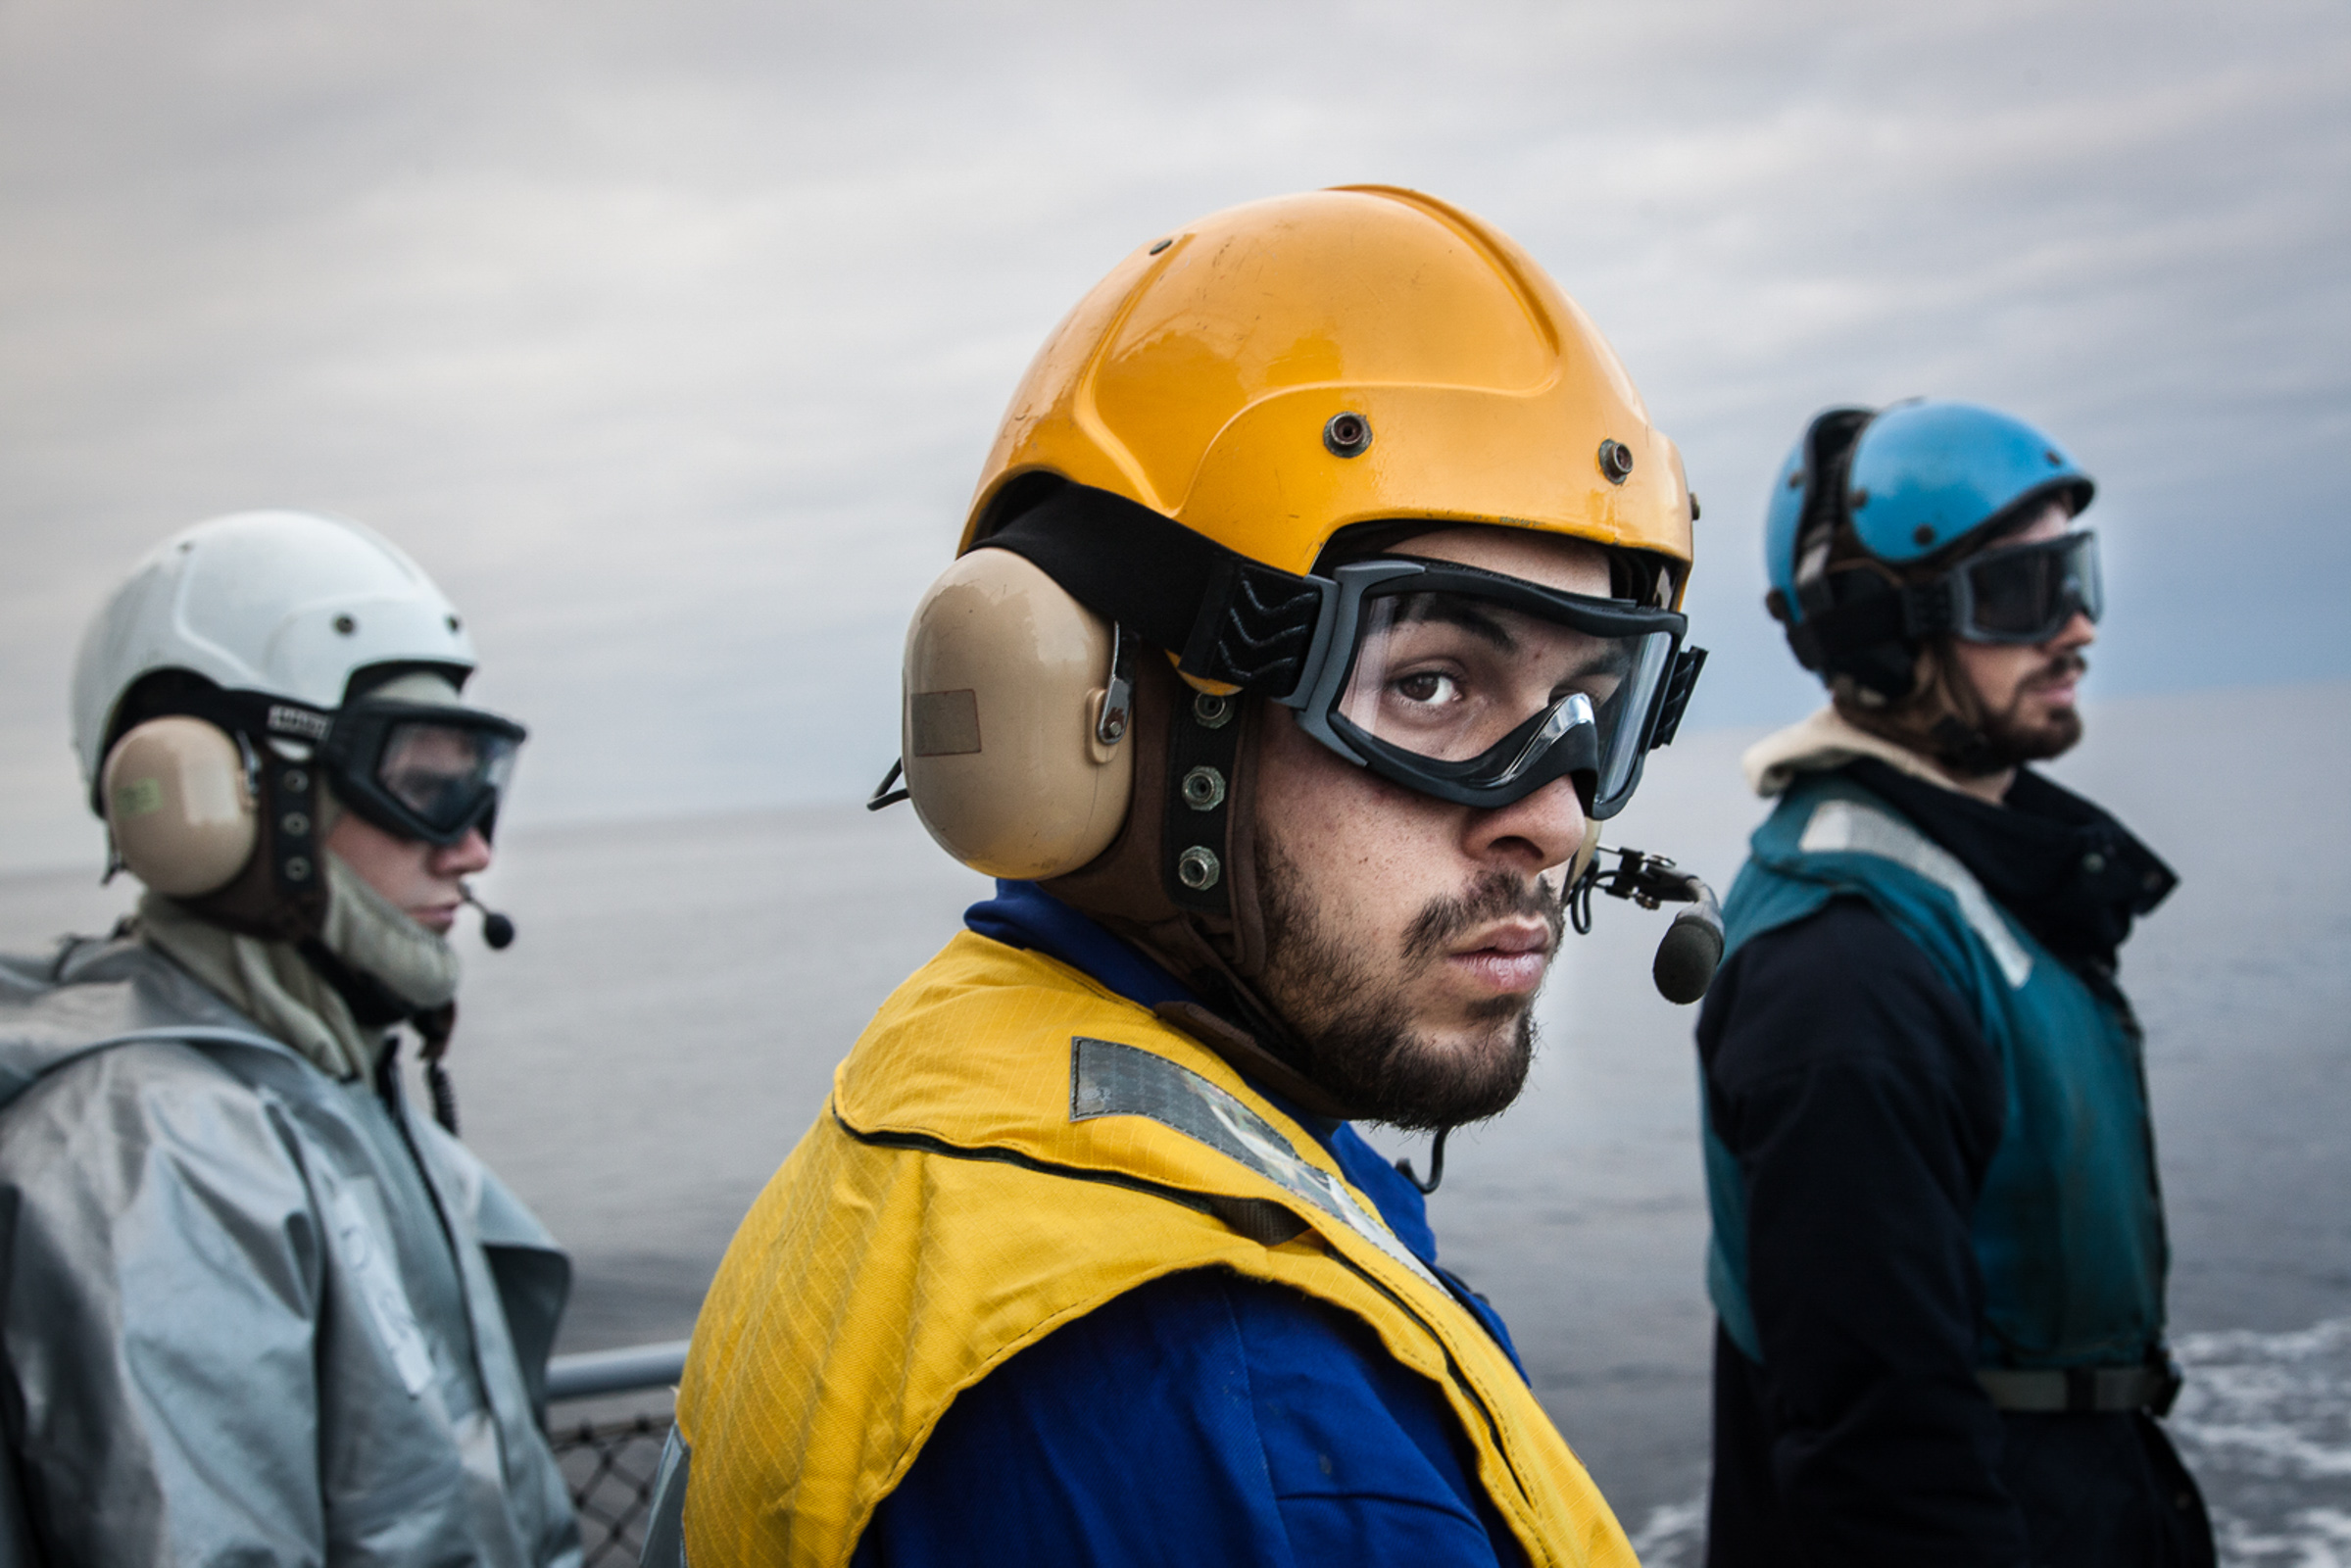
(254,1307)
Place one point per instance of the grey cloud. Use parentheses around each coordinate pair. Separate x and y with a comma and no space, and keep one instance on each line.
(671,338)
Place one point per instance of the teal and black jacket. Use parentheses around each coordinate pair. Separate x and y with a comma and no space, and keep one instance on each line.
(2068,1227)
(1928,1154)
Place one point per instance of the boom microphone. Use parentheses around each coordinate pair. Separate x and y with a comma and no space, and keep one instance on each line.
(1692,948)
(1691,951)
(497,931)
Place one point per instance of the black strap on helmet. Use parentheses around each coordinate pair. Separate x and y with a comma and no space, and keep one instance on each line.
(1226,617)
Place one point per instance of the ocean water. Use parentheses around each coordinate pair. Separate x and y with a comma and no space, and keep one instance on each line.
(666,1024)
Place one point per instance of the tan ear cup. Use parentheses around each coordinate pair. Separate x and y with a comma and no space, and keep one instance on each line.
(1005,681)
(177,805)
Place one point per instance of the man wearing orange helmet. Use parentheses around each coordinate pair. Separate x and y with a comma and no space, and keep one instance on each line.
(1317,599)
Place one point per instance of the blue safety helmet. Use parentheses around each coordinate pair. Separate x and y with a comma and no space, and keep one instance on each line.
(1907,484)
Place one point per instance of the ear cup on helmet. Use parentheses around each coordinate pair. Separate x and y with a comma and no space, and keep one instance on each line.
(177,804)
(1005,678)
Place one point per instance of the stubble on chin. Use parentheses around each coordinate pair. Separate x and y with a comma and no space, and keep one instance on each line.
(1353,1010)
(2021,732)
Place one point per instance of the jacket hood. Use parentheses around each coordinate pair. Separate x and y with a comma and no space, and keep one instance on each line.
(1828,740)
(54,1007)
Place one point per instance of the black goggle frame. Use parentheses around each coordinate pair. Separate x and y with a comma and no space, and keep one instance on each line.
(1243,624)
(1560,741)
(353,755)
(2073,586)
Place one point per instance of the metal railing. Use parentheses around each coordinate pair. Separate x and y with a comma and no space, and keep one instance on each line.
(611,1463)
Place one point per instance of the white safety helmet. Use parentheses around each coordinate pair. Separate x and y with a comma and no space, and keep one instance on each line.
(287,603)
(223,679)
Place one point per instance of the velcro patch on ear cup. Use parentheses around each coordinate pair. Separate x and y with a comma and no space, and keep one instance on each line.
(943,724)
(177,805)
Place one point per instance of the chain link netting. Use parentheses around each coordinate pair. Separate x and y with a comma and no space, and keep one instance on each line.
(611,1467)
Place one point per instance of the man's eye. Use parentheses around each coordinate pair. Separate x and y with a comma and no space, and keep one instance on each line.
(1426,686)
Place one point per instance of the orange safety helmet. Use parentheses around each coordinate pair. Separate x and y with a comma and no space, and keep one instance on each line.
(1172,470)
(1281,370)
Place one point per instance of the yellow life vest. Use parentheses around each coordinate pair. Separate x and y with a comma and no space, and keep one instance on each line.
(1009,1147)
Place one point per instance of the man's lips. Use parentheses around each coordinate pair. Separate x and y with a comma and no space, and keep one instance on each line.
(1508,957)
(436,916)
(2055,686)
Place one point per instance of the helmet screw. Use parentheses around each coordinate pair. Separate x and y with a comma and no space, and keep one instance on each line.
(1923,535)
(1203,789)
(1861,498)
(1163,245)
(346,626)
(294,824)
(455,623)
(296,781)
(298,870)
(1347,435)
(1198,869)
(1211,711)
(1616,461)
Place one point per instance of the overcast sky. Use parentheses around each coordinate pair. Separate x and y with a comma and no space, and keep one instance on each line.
(670,337)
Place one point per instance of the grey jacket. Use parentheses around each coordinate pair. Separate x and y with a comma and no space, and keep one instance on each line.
(252,1314)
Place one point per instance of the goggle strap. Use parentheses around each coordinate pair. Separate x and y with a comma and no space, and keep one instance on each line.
(1226,617)
(1857,623)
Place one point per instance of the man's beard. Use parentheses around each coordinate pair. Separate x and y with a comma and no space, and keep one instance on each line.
(1351,1009)
(2010,738)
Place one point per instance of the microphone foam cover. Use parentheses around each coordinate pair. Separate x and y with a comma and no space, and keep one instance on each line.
(1687,957)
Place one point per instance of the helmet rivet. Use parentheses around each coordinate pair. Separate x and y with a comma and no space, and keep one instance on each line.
(1211,711)
(455,623)
(1163,245)
(1616,461)
(2055,462)
(1861,498)
(2093,862)
(346,626)
(1203,789)
(296,781)
(298,870)
(1347,435)
(1198,869)
(1796,481)
(1923,535)
(294,825)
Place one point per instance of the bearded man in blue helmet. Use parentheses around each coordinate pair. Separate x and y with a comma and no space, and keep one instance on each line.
(1938,1249)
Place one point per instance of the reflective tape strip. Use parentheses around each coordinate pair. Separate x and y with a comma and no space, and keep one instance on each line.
(2081,1390)
(1108,1079)
(1848,827)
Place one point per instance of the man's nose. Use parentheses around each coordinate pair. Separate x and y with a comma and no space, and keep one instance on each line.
(2078,631)
(467,856)
(1529,835)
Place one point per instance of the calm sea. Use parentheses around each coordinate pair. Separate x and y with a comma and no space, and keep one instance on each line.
(666,1024)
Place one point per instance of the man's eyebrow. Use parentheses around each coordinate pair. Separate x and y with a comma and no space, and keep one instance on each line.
(1610,659)
(1452,611)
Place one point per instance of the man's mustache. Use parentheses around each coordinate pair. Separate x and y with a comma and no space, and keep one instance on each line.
(1494,896)
(2062,667)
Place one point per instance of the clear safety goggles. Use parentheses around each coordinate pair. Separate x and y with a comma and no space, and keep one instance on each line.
(2026,593)
(420,771)
(1480,689)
